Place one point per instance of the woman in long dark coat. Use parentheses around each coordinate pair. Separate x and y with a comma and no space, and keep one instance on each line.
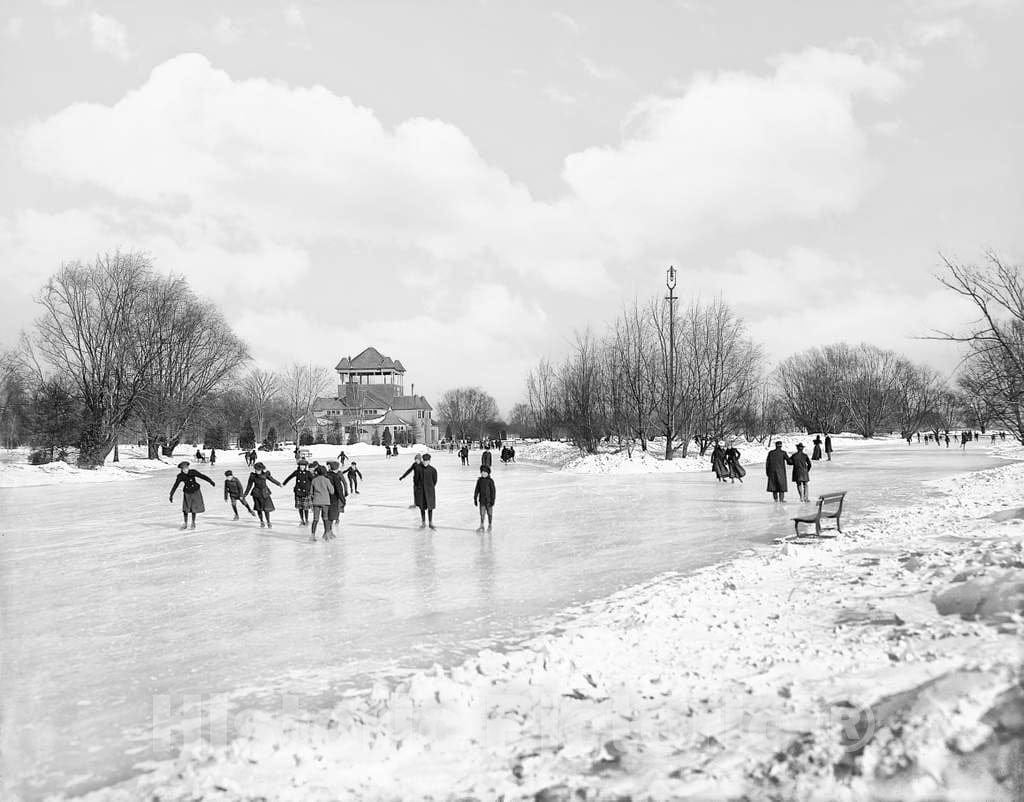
(828,447)
(718,464)
(732,461)
(816,454)
(775,467)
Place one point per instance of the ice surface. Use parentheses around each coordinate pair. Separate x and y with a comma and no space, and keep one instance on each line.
(117,627)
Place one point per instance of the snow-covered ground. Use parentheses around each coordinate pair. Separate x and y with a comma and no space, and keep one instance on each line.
(882,664)
(613,459)
(134,463)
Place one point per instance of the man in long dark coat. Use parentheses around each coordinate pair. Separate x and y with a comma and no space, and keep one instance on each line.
(828,447)
(428,500)
(775,467)
(801,471)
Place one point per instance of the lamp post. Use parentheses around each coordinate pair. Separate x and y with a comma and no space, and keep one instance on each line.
(670,282)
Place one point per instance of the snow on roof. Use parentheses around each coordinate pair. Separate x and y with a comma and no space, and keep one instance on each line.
(410,402)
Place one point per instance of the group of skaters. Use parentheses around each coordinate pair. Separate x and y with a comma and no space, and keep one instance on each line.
(966,437)
(321,491)
(725,462)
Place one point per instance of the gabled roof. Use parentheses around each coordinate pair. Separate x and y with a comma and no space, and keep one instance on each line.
(391,418)
(410,402)
(370,359)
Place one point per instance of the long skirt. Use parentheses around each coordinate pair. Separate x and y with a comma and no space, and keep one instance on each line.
(720,468)
(193,502)
(816,454)
(334,510)
(263,504)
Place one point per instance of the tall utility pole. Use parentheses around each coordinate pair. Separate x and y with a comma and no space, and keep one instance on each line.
(670,282)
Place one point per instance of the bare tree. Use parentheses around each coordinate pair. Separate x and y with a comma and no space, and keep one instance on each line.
(542,398)
(635,346)
(811,384)
(580,388)
(301,385)
(260,387)
(722,367)
(675,410)
(869,387)
(97,332)
(195,350)
(995,341)
(915,396)
(468,410)
(14,399)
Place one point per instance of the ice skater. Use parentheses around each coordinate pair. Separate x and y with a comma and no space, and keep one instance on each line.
(321,493)
(303,489)
(213,457)
(464,455)
(816,453)
(828,447)
(353,475)
(775,467)
(233,492)
(416,469)
(261,500)
(338,499)
(428,498)
(486,458)
(801,471)
(732,461)
(484,496)
(718,465)
(191,494)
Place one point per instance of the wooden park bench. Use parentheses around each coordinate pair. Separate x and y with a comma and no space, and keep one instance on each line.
(830,505)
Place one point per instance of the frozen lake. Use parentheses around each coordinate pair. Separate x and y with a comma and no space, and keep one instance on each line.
(120,633)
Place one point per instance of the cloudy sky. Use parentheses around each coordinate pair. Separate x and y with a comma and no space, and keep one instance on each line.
(464,183)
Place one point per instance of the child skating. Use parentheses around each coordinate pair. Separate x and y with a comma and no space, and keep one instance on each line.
(303,489)
(338,499)
(353,475)
(233,492)
(321,493)
(260,490)
(484,496)
(191,494)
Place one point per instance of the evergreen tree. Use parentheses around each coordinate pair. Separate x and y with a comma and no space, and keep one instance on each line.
(306,438)
(53,416)
(247,437)
(386,438)
(448,432)
(353,438)
(271,441)
(375,439)
(215,437)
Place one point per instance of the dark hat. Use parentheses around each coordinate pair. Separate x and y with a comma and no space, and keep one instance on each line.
(259,466)
(426,457)
(227,473)
(184,464)
(485,468)
(799,445)
(303,461)
(778,442)
(333,463)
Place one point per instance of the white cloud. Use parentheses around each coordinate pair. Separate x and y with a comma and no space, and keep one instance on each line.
(601,72)
(14,27)
(294,18)
(567,22)
(737,149)
(934,32)
(109,36)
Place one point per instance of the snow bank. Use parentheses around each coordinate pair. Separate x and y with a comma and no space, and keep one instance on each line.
(835,669)
(613,459)
(131,466)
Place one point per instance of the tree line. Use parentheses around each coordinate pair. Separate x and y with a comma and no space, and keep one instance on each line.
(697,377)
(120,351)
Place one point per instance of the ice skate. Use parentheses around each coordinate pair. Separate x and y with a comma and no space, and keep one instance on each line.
(193,526)
(236,517)
(262,525)
(269,525)
(312,538)
(431,526)
(480,528)
(183,526)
